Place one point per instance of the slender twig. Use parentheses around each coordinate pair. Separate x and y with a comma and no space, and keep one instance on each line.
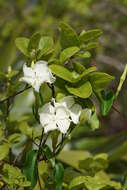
(12,96)
(40,143)
(44,141)
(63,136)
(116,110)
(53,90)
(121,115)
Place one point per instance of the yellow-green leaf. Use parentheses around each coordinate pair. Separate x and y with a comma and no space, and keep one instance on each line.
(100,80)
(64,73)
(22,44)
(67,53)
(82,91)
(4,149)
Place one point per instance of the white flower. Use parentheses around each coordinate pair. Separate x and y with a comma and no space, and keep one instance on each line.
(54,117)
(73,109)
(60,115)
(37,75)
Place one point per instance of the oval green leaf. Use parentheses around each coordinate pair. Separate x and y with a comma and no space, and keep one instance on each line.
(30,167)
(64,73)
(67,53)
(82,91)
(68,36)
(90,35)
(100,80)
(22,44)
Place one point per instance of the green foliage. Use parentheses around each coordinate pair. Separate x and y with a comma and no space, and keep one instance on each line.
(24,144)
(122,79)
(64,73)
(82,90)
(94,164)
(94,122)
(66,157)
(99,181)
(35,47)
(100,80)
(106,99)
(13,177)
(68,36)
(33,44)
(90,35)
(22,44)
(68,53)
(59,173)
(46,46)
(30,167)
(4,150)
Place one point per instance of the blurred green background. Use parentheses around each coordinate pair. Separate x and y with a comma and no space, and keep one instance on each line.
(24,17)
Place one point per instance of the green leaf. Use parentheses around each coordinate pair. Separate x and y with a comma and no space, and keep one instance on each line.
(85,115)
(22,44)
(26,129)
(88,71)
(34,42)
(13,176)
(64,73)
(90,45)
(100,80)
(67,53)
(68,36)
(122,79)
(94,164)
(47,152)
(107,99)
(69,174)
(82,91)
(55,134)
(59,174)
(85,55)
(4,149)
(14,138)
(12,74)
(101,181)
(46,46)
(78,67)
(118,152)
(98,182)
(30,167)
(3,76)
(66,157)
(77,181)
(90,35)
(94,121)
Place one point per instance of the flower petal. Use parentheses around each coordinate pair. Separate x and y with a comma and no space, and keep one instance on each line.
(68,101)
(75,112)
(40,67)
(28,71)
(50,127)
(47,108)
(43,72)
(45,118)
(61,112)
(63,125)
(28,80)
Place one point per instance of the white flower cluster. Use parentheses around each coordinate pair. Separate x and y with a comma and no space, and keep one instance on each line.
(37,75)
(60,115)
